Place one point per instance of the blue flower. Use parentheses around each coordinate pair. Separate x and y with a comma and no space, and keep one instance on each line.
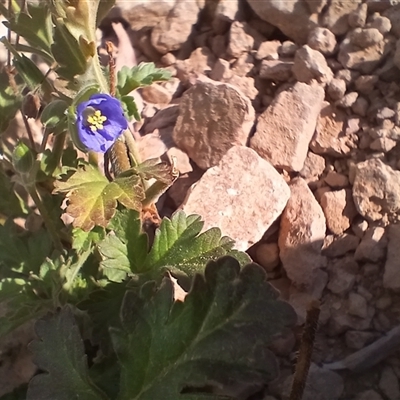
(100,121)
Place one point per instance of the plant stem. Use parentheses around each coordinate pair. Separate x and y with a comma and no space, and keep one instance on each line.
(46,217)
(305,352)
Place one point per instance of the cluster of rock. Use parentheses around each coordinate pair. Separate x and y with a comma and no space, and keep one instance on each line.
(285,121)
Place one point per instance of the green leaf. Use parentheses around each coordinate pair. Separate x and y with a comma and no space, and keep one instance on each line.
(179,245)
(59,351)
(22,253)
(141,75)
(82,241)
(10,102)
(130,108)
(153,169)
(67,52)
(216,338)
(10,204)
(125,251)
(35,26)
(128,191)
(17,394)
(93,199)
(22,304)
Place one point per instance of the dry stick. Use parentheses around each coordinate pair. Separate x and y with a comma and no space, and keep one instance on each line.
(305,351)
(370,355)
(118,154)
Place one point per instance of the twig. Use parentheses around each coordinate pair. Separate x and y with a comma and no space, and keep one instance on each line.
(370,355)
(111,65)
(305,351)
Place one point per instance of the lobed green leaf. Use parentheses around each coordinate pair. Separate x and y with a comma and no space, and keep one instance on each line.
(141,75)
(217,338)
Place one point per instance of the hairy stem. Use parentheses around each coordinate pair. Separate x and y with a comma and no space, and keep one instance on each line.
(305,352)
(46,217)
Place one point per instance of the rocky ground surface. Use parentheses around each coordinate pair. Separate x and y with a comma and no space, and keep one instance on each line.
(284,118)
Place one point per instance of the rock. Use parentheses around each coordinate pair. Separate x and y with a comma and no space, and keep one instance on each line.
(292,17)
(212,118)
(339,210)
(151,146)
(143,13)
(389,384)
(239,41)
(284,344)
(366,37)
(342,275)
(201,61)
(232,205)
(318,380)
(276,70)
(336,180)
(288,49)
(221,70)
(396,57)
(393,13)
(181,160)
(363,60)
(300,301)
(179,190)
(340,245)
(348,100)
(285,129)
(391,276)
(267,255)
(268,50)
(383,144)
(376,189)
(360,106)
(357,305)
(369,395)
(228,10)
(381,23)
(330,135)
(322,40)
(316,6)
(170,33)
(314,166)
(358,340)
(245,84)
(336,88)
(310,64)
(168,59)
(301,235)
(358,17)
(156,94)
(163,118)
(336,16)
(366,83)
(372,246)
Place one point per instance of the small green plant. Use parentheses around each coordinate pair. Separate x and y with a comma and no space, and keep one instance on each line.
(183,317)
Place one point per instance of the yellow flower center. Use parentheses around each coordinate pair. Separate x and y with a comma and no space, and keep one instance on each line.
(96,121)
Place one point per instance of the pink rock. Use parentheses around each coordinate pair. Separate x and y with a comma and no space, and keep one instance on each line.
(330,137)
(373,245)
(301,235)
(339,210)
(225,196)
(310,64)
(376,189)
(285,129)
(213,117)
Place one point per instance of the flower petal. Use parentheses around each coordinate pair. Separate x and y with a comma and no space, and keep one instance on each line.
(101,139)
